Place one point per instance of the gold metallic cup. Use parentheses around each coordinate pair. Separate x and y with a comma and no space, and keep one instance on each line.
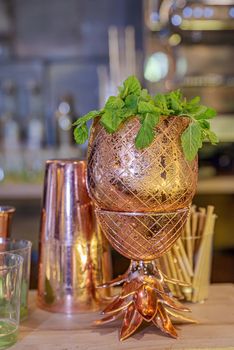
(143,199)
(6,213)
(74,255)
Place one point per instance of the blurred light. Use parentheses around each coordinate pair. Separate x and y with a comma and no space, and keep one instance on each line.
(154,17)
(196,36)
(197,12)
(1,174)
(64,108)
(208,12)
(176,20)
(65,123)
(219,2)
(231,12)
(187,12)
(156,67)
(82,253)
(175,39)
(181,66)
(180,3)
(224,160)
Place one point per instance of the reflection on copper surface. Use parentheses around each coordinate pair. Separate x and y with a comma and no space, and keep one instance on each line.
(74,255)
(158,178)
(142,199)
(144,297)
(142,236)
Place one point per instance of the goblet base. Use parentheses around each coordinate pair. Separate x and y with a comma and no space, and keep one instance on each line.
(144,297)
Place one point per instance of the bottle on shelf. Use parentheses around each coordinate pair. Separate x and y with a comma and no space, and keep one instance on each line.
(35,127)
(11,140)
(10,125)
(65,116)
(33,155)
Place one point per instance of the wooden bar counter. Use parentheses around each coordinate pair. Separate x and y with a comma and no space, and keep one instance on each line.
(48,331)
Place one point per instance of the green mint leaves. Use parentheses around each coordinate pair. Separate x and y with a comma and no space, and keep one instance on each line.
(130,86)
(132,100)
(147,133)
(198,130)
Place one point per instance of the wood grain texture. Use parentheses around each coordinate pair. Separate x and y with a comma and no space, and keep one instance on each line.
(47,331)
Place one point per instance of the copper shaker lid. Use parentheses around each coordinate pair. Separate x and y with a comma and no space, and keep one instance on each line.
(6,213)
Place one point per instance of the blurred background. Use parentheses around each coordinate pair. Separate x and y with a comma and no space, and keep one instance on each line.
(59,59)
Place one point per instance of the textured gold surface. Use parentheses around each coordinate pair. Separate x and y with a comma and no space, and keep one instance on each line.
(142,199)
(158,178)
(142,236)
(144,297)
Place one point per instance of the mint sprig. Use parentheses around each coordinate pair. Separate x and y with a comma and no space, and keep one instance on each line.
(132,100)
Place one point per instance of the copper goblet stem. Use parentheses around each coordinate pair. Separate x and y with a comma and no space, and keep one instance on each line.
(144,296)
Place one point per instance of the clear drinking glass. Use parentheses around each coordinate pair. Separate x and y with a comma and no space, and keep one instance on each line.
(10,286)
(22,248)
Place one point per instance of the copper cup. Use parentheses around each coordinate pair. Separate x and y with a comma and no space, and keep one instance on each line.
(74,255)
(6,213)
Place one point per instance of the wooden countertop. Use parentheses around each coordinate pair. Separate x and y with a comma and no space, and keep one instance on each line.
(47,331)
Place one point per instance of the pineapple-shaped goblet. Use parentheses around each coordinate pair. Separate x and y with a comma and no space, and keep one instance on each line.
(142,200)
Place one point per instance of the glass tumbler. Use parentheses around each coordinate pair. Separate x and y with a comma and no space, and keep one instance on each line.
(22,248)
(10,287)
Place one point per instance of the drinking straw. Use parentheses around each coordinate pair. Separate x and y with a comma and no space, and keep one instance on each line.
(188,240)
(203,251)
(168,270)
(203,283)
(194,218)
(174,273)
(190,258)
(185,258)
(186,276)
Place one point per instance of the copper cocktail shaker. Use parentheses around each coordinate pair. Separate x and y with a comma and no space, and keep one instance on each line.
(6,213)
(74,255)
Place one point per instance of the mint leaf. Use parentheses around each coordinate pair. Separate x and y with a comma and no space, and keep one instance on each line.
(174,101)
(203,112)
(114,102)
(211,136)
(86,117)
(131,102)
(146,133)
(192,104)
(191,140)
(81,134)
(130,86)
(209,113)
(147,107)
(195,101)
(204,124)
(111,121)
(125,113)
(161,103)
(144,96)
